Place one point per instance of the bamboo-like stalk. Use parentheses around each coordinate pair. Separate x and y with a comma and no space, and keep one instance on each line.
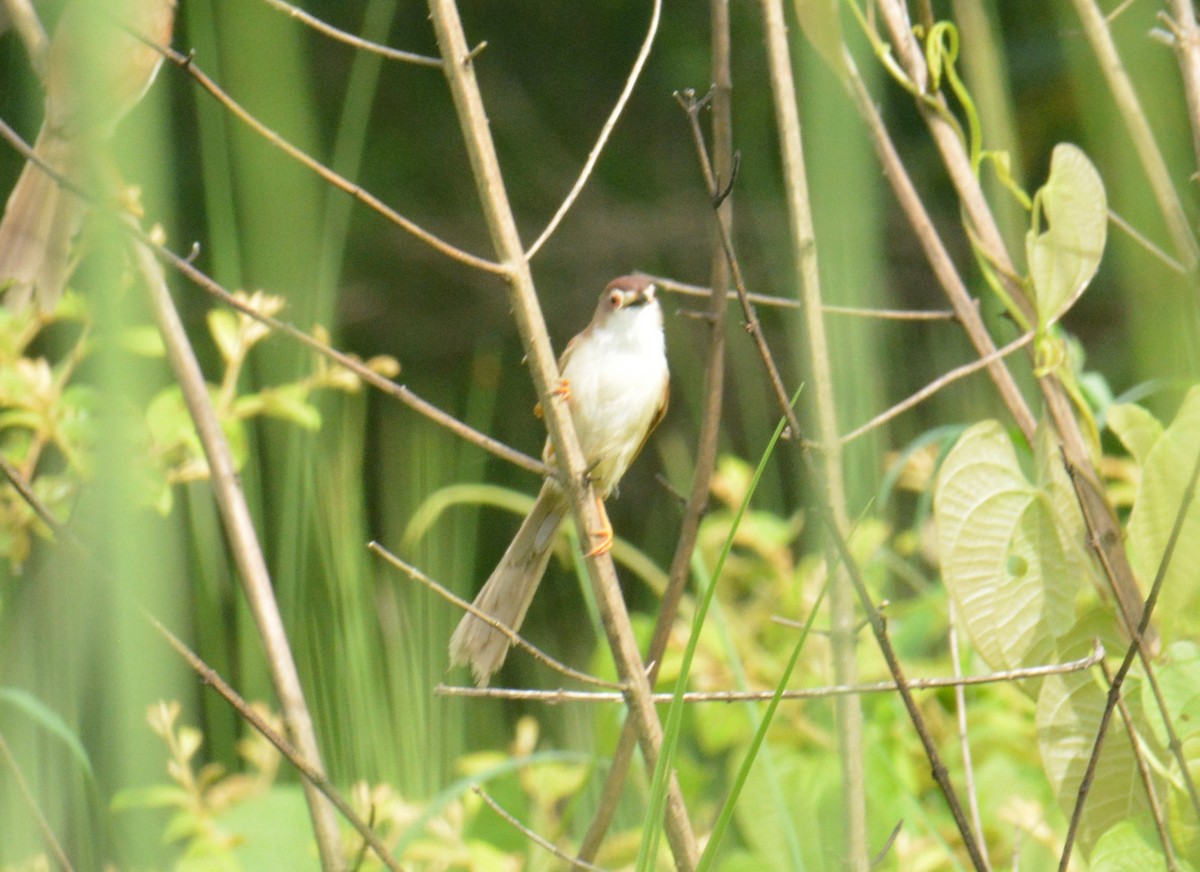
(1187,48)
(848,710)
(464,88)
(247,551)
(1099,37)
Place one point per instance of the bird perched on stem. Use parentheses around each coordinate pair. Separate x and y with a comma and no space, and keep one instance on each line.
(614,379)
(98,67)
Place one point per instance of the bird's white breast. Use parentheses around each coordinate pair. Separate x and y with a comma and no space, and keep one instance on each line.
(617,378)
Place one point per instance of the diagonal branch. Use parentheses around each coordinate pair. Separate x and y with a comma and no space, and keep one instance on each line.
(464,88)
(243,541)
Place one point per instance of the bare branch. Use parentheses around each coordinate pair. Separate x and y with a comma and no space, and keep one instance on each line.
(243,542)
(937,384)
(468,101)
(541,841)
(187,64)
(393,54)
(634,73)
(730,696)
(311,774)
(52,842)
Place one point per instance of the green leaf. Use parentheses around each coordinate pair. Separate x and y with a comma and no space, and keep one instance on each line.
(1165,474)
(1064,257)
(1179,681)
(1123,849)
(1005,554)
(47,719)
(1137,429)
(1068,716)
(821,25)
(224,328)
(290,402)
(143,340)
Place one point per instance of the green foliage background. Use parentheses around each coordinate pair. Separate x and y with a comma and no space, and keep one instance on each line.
(79,666)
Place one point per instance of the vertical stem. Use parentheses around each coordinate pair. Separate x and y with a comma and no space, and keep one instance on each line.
(710,425)
(458,66)
(841,601)
(247,552)
(1187,47)
(1155,166)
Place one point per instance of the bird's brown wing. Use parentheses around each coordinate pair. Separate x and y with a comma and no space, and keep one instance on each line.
(658,416)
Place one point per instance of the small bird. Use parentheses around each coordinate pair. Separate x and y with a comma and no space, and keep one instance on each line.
(96,71)
(614,378)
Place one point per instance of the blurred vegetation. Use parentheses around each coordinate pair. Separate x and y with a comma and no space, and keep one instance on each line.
(90,414)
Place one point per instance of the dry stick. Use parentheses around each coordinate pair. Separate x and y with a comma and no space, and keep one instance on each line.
(687,99)
(350,39)
(214,288)
(243,541)
(386,385)
(468,101)
(964,742)
(1139,756)
(513,637)
(554,697)
(1135,650)
(23,487)
(528,833)
(689,290)
(310,774)
(1108,544)
(1187,49)
(23,788)
(187,64)
(1153,164)
(847,710)
(707,441)
(634,73)
(965,308)
(937,384)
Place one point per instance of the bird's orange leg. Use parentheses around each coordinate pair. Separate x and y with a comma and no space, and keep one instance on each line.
(562,391)
(604,535)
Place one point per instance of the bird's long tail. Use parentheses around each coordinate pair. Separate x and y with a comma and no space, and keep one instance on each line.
(510,589)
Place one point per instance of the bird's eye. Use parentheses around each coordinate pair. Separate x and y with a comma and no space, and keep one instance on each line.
(615,299)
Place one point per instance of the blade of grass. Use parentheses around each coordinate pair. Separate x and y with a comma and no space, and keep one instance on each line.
(671,730)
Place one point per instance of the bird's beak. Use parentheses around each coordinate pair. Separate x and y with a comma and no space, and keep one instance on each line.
(643,295)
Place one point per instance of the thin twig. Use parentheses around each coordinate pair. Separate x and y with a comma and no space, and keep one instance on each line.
(350,39)
(731,696)
(243,541)
(310,774)
(691,107)
(210,286)
(689,290)
(707,442)
(1144,241)
(1136,650)
(937,384)
(26,491)
(464,88)
(634,73)
(187,64)
(964,742)
(1143,767)
(1186,31)
(56,848)
(382,383)
(537,839)
(513,637)
(1100,39)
